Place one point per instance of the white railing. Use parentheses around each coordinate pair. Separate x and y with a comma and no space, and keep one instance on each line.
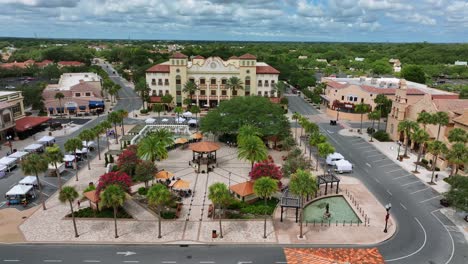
(176,129)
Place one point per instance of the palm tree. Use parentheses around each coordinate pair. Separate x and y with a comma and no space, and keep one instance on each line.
(440,119)
(218,193)
(457,155)
(97,131)
(122,114)
(234,84)
(106,125)
(406,126)
(167,99)
(142,88)
(72,145)
(324,149)
(279,88)
(86,136)
(310,128)
(458,135)
(113,196)
(424,118)
(35,164)
(302,184)
(190,87)
(195,109)
(113,91)
(164,136)
(106,86)
(265,187)
(420,137)
(158,195)
(59,96)
(361,109)
(178,110)
(158,108)
(152,148)
(69,194)
(246,131)
(314,141)
(374,115)
(296,116)
(436,148)
(55,156)
(115,119)
(252,149)
(303,121)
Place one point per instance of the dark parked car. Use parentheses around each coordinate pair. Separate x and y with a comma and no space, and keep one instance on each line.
(444,202)
(55,126)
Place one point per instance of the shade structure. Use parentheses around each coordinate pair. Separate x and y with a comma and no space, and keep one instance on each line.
(187,114)
(30,122)
(150,121)
(28,180)
(197,136)
(192,121)
(19,190)
(204,147)
(181,141)
(179,120)
(165,120)
(46,139)
(181,185)
(164,175)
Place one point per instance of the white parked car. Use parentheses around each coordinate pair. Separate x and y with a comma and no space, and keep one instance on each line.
(334,157)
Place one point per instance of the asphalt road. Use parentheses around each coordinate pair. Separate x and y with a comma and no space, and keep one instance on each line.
(424,235)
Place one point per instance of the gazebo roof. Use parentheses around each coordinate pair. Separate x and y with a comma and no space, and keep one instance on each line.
(243,189)
(92,196)
(204,146)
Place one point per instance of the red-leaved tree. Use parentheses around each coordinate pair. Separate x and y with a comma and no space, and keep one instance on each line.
(128,160)
(116,177)
(266,169)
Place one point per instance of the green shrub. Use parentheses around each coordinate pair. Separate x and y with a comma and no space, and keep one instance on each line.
(89,188)
(236,204)
(142,191)
(370,130)
(424,161)
(103,213)
(168,215)
(437,169)
(382,136)
(143,111)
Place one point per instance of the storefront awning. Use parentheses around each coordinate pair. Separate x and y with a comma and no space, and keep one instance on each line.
(82,107)
(71,108)
(30,122)
(96,103)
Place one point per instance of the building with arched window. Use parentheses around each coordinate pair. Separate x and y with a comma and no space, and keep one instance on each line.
(210,76)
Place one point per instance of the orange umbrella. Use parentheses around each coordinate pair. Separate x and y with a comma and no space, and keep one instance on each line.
(181,184)
(197,136)
(181,141)
(164,175)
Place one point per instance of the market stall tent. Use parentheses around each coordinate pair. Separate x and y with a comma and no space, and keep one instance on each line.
(33,147)
(19,190)
(18,155)
(28,180)
(150,121)
(46,140)
(10,163)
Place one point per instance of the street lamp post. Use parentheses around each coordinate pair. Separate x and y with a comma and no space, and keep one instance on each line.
(10,138)
(229,179)
(399,145)
(387,207)
(337,113)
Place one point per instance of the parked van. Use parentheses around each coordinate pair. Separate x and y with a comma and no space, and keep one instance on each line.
(334,157)
(343,165)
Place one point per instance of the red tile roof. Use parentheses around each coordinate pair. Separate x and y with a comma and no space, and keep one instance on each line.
(12,65)
(233,58)
(70,63)
(390,91)
(243,189)
(155,99)
(452,105)
(44,63)
(29,122)
(199,57)
(178,55)
(159,68)
(336,85)
(267,70)
(92,196)
(247,56)
(333,256)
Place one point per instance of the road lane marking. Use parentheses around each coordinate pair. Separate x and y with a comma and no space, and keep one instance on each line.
(420,190)
(244,262)
(375,155)
(404,207)
(53,260)
(377,180)
(435,197)
(400,169)
(91,261)
(410,183)
(364,147)
(419,249)
(386,165)
(368,165)
(2,204)
(11,260)
(207,262)
(168,261)
(450,234)
(131,261)
(53,185)
(403,176)
(389,192)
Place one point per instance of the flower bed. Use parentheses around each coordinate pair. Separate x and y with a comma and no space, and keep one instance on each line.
(103,213)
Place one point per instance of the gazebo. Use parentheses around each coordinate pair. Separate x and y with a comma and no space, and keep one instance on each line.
(290,200)
(199,149)
(328,178)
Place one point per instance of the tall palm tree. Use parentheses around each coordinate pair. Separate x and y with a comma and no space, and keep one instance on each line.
(113,91)
(69,194)
(406,126)
(55,156)
(122,114)
(234,84)
(115,119)
(97,131)
(458,135)
(158,108)
(296,116)
(142,88)
(72,145)
(361,109)
(424,118)
(167,100)
(302,184)
(457,155)
(35,164)
(59,96)
(440,119)
(164,136)
(151,148)
(86,136)
(195,109)
(420,137)
(252,149)
(303,121)
(106,125)
(265,187)
(436,148)
(113,196)
(178,110)
(158,195)
(190,87)
(314,141)
(374,115)
(310,128)
(246,131)
(325,149)
(218,193)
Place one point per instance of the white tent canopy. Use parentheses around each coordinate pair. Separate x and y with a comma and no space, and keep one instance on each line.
(343,166)
(165,120)
(68,158)
(82,151)
(46,139)
(336,155)
(18,154)
(180,120)
(90,144)
(3,167)
(19,190)
(150,121)
(33,147)
(7,161)
(29,180)
(187,114)
(192,121)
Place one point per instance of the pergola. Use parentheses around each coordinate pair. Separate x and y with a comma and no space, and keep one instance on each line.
(328,178)
(290,200)
(199,149)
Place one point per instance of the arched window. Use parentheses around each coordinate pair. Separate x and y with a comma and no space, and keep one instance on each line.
(202,80)
(213,81)
(177,79)
(259,83)
(247,80)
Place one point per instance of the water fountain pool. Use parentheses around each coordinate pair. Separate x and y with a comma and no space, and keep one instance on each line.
(339,210)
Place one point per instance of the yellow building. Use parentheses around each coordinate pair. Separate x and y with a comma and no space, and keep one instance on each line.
(11,110)
(210,75)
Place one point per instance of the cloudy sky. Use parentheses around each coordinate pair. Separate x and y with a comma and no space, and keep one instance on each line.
(261,20)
